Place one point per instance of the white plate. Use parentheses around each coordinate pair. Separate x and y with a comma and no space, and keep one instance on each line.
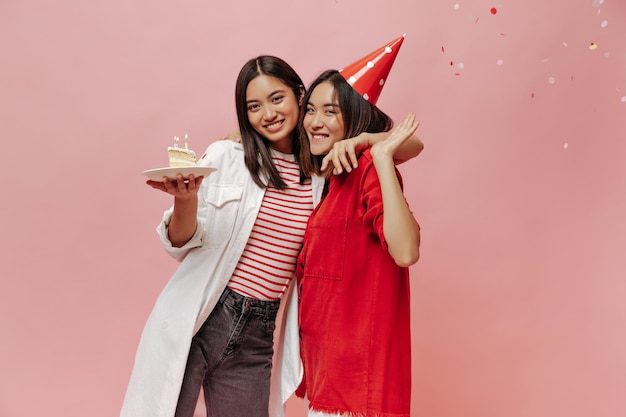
(171,172)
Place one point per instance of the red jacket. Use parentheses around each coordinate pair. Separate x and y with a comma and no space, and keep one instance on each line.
(354,307)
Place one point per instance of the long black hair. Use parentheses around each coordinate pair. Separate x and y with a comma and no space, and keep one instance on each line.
(258,158)
(359,115)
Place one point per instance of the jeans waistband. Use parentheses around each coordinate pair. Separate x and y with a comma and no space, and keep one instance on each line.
(256,306)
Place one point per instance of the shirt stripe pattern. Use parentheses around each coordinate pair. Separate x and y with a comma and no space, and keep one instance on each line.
(268,261)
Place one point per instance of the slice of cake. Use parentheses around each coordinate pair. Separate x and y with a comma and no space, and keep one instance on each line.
(180,157)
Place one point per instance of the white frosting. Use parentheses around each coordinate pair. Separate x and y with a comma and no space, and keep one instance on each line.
(181,157)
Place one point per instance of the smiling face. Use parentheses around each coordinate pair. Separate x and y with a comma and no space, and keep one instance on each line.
(323,121)
(272,111)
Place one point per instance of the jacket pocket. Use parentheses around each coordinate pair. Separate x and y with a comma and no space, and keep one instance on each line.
(326,248)
(223,203)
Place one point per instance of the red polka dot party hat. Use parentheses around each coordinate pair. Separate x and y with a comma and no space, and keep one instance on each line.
(369,74)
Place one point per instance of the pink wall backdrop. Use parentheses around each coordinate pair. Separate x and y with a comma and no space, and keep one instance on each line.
(518,300)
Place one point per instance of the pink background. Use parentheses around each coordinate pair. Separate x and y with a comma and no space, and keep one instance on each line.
(518,300)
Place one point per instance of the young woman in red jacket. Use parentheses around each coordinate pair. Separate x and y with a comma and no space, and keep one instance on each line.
(353,277)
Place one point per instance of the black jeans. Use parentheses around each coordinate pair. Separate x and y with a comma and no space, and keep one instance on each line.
(231,359)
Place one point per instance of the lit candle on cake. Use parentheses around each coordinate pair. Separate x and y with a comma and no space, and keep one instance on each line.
(180,157)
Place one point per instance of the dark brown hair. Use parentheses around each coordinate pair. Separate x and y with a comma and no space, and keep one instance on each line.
(359,115)
(258,158)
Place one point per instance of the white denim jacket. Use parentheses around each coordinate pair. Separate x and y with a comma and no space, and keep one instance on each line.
(228,204)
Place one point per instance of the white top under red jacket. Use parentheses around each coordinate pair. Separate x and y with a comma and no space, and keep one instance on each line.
(354,304)
(228,203)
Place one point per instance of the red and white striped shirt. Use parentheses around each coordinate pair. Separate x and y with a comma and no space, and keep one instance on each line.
(269,259)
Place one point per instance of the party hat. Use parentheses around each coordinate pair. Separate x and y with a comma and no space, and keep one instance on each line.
(369,74)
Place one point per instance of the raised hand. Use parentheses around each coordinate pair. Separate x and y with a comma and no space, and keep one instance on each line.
(386,148)
(400,228)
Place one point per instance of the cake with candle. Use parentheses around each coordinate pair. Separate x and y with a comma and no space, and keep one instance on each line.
(181,157)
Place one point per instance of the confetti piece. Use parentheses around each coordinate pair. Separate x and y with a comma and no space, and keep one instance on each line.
(456,6)
(532,95)
(451,63)
(552,80)
(443,50)
(494,10)
(565,44)
(623,99)
(499,62)
(565,145)
(593,46)
(604,23)
(460,65)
